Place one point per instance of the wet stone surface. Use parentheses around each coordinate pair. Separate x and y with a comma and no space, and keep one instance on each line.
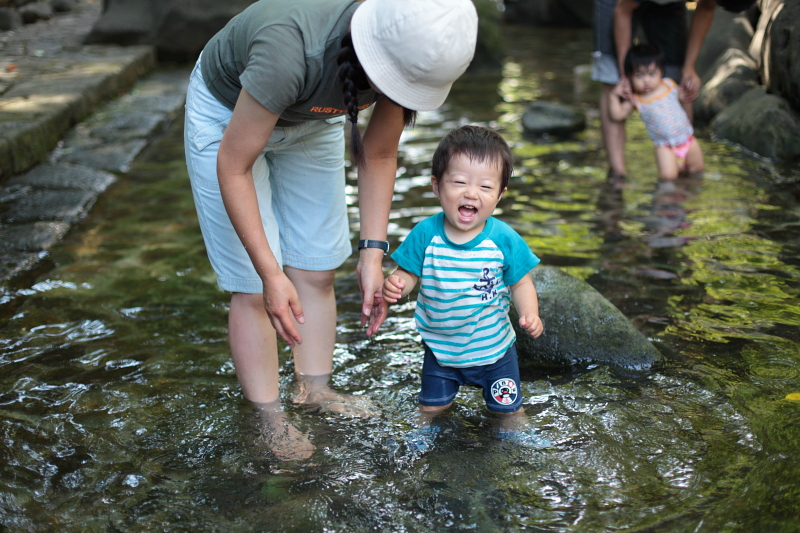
(67,204)
(65,177)
(37,208)
(112,138)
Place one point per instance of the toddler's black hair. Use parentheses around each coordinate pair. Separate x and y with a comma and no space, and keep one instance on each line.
(644,55)
(479,144)
(353,79)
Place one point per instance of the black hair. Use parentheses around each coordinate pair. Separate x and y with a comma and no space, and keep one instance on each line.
(644,55)
(354,79)
(479,144)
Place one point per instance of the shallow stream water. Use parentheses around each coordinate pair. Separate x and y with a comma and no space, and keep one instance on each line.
(120,410)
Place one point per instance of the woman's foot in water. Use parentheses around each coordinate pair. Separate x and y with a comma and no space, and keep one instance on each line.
(314,392)
(284,440)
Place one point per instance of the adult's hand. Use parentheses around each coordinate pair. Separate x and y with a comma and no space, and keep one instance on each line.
(370,283)
(690,85)
(380,310)
(283,305)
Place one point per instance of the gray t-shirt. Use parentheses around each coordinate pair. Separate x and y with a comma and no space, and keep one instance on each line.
(284,53)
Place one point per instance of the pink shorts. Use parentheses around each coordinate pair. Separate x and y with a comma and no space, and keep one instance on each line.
(681,150)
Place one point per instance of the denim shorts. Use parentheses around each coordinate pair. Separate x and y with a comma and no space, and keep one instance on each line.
(500,382)
(300,185)
(664,25)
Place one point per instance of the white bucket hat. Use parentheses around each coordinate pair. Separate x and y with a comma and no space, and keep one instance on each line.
(413,50)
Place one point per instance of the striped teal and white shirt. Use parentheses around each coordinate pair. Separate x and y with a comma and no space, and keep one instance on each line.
(464,291)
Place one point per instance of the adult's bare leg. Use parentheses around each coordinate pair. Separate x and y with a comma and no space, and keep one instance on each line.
(613,135)
(254,349)
(313,358)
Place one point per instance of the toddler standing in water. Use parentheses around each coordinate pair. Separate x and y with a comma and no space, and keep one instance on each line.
(470,266)
(658,101)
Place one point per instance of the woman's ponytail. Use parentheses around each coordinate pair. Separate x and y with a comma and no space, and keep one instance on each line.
(353,78)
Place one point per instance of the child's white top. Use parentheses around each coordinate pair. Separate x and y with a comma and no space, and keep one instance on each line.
(664,117)
(464,295)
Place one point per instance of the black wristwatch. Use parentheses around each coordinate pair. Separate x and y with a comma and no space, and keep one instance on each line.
(369,243)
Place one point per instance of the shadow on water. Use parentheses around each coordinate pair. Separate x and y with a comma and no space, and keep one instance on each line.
(120,409)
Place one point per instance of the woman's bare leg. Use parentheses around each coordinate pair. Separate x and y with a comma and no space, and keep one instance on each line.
(313,358)
(253,347)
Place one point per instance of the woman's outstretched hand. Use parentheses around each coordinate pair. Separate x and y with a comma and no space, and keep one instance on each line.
(370,283)
(282,305)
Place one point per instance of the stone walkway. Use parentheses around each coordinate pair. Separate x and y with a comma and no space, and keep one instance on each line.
(72,118)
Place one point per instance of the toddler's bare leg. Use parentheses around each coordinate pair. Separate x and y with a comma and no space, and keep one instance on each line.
(667,163)
(511,421)
(694,159)
(427,413)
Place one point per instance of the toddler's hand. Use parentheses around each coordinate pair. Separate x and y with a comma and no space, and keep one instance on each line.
(623,89)
(393,288)
(532,324)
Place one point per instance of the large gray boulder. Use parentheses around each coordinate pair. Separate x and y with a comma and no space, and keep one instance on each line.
(783,68)
(733,74)
(178,28)
(728,30)
(581,328)
(761,122)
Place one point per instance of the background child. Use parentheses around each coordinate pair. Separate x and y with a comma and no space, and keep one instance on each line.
(658,101)
(470,266)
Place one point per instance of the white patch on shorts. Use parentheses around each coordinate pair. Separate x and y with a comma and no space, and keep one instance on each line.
(504,391)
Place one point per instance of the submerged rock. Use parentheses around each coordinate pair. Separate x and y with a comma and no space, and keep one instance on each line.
(581,327)
(546,118)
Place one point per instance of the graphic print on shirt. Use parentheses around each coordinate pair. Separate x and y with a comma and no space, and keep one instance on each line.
(488,287)
(504,391)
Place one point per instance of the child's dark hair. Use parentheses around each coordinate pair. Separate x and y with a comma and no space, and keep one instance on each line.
(479,144)
(644,55)
(353,79)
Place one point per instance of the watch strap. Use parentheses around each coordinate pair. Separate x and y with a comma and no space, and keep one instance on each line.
(369,243)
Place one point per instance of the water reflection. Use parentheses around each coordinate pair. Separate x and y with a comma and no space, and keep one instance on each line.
(120,408)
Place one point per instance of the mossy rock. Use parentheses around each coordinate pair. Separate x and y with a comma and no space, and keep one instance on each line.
(581,328)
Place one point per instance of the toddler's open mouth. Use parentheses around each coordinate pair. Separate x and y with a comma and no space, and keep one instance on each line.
(467,212)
